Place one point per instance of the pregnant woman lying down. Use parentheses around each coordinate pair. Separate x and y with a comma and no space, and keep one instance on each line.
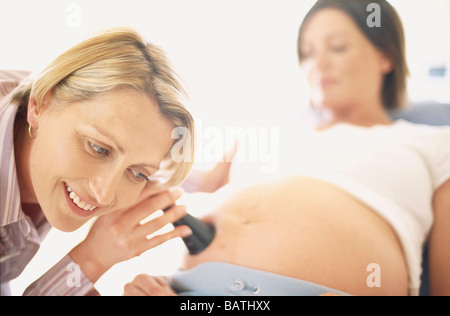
(340,230)
(360,197)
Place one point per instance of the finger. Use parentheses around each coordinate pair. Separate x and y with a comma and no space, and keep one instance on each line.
(179,231)
(153,204)
(231,152)
(164,283)
(132,290)
(153,187)
(172,215)
(151,286)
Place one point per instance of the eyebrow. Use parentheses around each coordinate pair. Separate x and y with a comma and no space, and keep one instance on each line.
(329,36)
(120,148)
(109,136)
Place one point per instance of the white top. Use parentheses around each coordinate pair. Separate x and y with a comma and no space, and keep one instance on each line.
(394,169)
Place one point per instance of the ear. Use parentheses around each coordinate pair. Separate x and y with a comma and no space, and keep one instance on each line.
(386,64)
(34,110)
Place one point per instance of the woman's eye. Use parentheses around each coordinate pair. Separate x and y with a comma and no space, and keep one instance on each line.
(338,48)
(99,150)
(304,56)
(306,52)
(139,175)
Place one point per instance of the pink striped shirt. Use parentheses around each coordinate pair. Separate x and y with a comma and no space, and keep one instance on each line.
(19,238)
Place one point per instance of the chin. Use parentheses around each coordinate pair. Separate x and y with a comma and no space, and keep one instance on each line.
(62,222)
(331,106)
(67,228)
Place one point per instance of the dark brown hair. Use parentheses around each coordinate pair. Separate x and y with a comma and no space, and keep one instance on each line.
(388,38)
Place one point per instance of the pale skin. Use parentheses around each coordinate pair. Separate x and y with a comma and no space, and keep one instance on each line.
(439,251)
(345,73)
(88,146)
(344,70)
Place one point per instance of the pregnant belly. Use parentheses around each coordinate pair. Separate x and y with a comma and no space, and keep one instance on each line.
(310,230)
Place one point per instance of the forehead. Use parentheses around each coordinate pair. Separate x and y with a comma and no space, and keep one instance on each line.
(130,119)
(123,112)
(327,24)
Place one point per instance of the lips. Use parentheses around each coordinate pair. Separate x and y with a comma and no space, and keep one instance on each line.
(325,82)
(79,202)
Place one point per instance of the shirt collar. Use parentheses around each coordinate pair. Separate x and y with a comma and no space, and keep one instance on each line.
(10,203)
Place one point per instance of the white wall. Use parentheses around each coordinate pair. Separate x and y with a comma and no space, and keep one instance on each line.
(239,57)
(236,55)
(427,28)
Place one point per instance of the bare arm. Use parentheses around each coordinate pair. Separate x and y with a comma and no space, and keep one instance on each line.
(439,251)
(211,180)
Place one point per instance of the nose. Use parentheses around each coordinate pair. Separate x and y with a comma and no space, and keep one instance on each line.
(318,63)
(104,186)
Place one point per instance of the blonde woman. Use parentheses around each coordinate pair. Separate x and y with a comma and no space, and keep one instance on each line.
(87,137)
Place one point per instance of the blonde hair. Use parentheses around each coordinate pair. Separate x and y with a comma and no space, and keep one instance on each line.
(117,58)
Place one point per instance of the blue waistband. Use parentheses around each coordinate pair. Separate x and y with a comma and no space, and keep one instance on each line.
(224,279)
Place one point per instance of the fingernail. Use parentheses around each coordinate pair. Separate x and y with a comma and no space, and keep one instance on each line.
(186,231)
(177,191)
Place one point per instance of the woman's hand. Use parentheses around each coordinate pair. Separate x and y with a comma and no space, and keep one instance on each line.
(120,236)
(146,285)
(211,180)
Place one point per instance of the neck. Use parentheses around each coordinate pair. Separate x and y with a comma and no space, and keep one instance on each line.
(367,117)
(22,149)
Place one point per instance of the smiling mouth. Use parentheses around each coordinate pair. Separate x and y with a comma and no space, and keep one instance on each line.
(78,202)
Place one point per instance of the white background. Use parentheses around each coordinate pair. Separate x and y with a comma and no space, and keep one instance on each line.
(238,56)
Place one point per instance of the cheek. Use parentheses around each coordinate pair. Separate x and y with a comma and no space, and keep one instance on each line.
(54,159)
(60,159)
(360,67)
(127,197)
(45,162)
(351,66)
(357,78)
(128,194)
